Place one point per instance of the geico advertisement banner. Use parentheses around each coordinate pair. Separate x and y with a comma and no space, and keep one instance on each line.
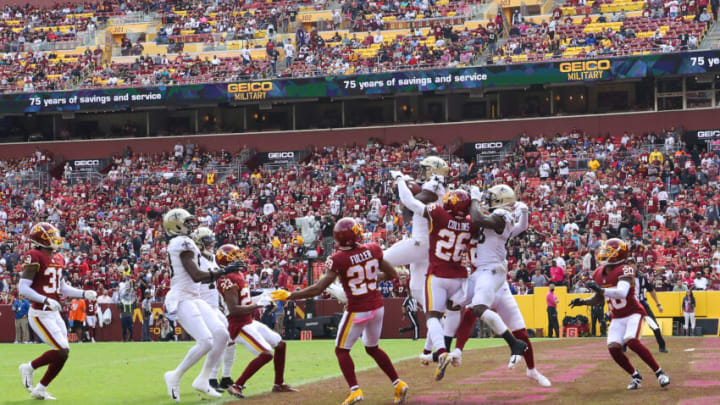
(474,149)
(280,157)
(701,135)
(88,165)
(243,92)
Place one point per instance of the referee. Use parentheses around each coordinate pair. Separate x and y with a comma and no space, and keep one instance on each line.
(642,285)
(410,309)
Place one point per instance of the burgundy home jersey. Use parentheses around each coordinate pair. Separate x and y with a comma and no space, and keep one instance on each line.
(358,270)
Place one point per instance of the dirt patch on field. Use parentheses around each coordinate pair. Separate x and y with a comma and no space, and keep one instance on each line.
(581,370)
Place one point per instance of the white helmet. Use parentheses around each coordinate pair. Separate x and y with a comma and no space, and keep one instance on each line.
(204,238)
(500,196)
(179,222)
(433,165)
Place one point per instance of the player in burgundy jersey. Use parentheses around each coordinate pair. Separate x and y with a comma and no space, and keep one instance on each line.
(614,281)
(91,319)
(42,283)
(359,268)
(264,343)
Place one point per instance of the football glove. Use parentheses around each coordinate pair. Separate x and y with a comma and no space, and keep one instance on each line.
(521,206)
(593,286)
(476,194)
(336,290)
(264,299)
(90,295)
(396,174)
(279,295)
(576,302)
(52,304)
(232,267)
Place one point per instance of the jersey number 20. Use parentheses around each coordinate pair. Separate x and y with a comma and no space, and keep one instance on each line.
(363,277)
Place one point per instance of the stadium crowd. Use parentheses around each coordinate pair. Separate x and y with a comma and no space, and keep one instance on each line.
(581,189)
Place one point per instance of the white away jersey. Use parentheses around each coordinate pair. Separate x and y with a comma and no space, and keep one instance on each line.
(180,279)
(420,224)
(208,292)
(491,245)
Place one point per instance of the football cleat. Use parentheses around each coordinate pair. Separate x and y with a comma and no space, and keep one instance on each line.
(516,351)
(663,350)
(204,388)
(456,357)
(214,384)
(541,379)
(225,383)
(236,390)
(26,372)
(426,359)
(663,379)
(354,397)
(283,388)
(443,361)
(636,381)
(173,386)
(401,389)
(40,392)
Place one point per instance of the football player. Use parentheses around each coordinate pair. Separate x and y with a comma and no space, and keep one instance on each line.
(450,234)
(264,343)
(359,267)
(614,282)
(487,288)
(91,319)
(42,283)
(184,304)
(413,251)
(204,238)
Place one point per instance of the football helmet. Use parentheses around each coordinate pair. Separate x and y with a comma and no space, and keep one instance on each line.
(204,238)
(46,235)
(227,254)
(347,233)
(434,166)
(179,222)
(613,251)
(457,203)
(500,196)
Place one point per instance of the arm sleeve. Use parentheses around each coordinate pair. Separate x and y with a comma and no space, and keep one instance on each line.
(25,289)
(619,292)
(521,225)
(70,291)
(408,200)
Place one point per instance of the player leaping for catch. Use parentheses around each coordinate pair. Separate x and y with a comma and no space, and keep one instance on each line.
(413,251)
(204,238)
(184,304)
(450,234)
(487,289)
(262,342)
(42,283)
(357,266)
(614,282)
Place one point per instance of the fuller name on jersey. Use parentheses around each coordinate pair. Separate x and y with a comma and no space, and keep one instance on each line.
(358,270)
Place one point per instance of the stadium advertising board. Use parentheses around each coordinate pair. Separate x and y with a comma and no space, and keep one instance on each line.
(88,165)
(701,135)
(280,157)
(632,67)
(479,151)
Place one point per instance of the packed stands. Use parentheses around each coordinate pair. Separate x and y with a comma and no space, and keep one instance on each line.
(581,188)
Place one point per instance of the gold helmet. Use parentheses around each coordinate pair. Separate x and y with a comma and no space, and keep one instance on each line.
(499,196)
(204,238)
(434,166)
(179,222)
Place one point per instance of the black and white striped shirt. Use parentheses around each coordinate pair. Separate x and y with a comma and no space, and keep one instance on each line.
(410,304)
(642,285)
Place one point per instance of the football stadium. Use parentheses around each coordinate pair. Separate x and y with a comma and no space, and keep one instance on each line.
(354,201)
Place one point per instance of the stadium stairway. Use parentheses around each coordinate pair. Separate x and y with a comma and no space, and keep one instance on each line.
(712,38)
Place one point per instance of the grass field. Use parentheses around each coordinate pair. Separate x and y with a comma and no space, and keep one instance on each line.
(581,371)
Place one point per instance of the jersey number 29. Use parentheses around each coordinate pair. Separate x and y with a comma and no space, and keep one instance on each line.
(363,277)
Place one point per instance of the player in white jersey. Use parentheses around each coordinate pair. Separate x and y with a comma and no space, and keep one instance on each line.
(413,251)
(487,291)
(184,304)
(204,238)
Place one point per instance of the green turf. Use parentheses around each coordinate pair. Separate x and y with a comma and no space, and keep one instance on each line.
(122,373)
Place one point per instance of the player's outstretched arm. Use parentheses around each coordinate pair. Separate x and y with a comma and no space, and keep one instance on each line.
(188,260)
(480,220)
(387,271)
(233,304)
(523,220)
(619,292)
(313,290)
(72,292)
(408,199)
